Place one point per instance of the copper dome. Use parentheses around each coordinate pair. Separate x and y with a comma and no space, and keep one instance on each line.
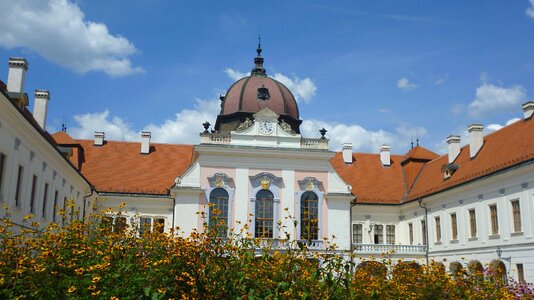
(253,93)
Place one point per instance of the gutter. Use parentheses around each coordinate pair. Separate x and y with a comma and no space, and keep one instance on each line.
(420,200)
(85,201)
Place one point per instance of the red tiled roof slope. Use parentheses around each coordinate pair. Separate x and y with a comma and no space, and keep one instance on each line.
(119,167)
(509,146)
(419,153)
(371,181)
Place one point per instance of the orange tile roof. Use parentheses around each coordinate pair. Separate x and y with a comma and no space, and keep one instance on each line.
(503,148)
(371,181)
(119,167)
(419,153)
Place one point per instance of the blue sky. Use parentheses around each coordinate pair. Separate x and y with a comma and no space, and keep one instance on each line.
(371,72)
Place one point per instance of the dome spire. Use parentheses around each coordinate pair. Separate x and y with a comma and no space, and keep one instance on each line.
(258,61)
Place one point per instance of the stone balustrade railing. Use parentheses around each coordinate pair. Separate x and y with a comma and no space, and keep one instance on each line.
(388,248)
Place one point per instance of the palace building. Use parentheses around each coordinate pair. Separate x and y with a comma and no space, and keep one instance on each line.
(470,207)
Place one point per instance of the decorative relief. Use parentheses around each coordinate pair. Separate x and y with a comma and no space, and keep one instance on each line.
(286,127)
(310,184)
(219,180)
(245,124)
(265,180)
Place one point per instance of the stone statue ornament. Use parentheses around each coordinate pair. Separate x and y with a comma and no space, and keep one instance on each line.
(246,124)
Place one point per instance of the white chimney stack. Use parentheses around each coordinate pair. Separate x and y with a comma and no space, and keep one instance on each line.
(476,138)
(347,153)
(145,142)
(17,74)
(40,107)
(528,109)
(385,155)
(99,138)
(454,147)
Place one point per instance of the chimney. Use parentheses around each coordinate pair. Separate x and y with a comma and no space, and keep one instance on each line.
(16,74)
(145,142)
(385,155)
(476,138)
(99,138)
(454,147)
(347,153)
(40,107)
(528,109)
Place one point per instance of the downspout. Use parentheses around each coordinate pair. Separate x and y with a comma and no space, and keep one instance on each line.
(85,201)
(420,200)
(173,210)
(352,204)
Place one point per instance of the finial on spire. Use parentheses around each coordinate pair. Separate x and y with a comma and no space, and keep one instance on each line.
(258,60)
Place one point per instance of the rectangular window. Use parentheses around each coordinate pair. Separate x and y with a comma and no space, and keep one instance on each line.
(473,222)
(34,187)
(54,209)
(145,225)
(45,196)
(19,185)
(520,273)
(494,220)
(120,225)
(423,231)
(2,167)
(159,225)
(390,234)
(516,210)
(378,234)
(438,229)
(64,210)
(357,233)
(454,226)
(410,232)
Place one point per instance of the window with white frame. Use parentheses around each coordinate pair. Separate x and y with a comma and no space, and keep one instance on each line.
(33,191)
(2,168)
(357,233)
(454,227)
(437,222)
(218,210)
(378,234)
(410,233)
(473,223)
(390,234)
(20,173)
(494,219)
(151,224)
(264,218)
(423,231)
(309,216)
(516,213)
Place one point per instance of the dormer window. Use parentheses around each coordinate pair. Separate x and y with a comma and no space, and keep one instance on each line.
(448,170)
(263,93)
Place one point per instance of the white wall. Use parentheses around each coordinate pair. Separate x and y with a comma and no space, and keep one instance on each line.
(23,145)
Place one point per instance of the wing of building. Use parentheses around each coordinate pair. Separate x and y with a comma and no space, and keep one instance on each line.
(471,206)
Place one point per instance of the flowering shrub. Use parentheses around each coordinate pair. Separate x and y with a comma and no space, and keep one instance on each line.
(89,260)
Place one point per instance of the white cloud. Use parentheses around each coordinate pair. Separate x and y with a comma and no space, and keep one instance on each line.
(187,124)
(405,84)
(235,75)
(493,99)
(115,128)
(495,127)
(183,129)
(457,108)
(58,31)
(363,140)
(302,88)
(530,10)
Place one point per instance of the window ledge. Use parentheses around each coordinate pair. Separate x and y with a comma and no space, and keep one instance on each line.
(519,233)
(494,236)
(454,241)
(437,243)
(473,239)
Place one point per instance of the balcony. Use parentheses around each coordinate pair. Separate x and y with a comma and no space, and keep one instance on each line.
(281,244)
(377,249)
(306,143)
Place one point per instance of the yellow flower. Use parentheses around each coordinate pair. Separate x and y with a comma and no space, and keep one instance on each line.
(95,293)
(113,298)
(96,279)
(72,289)
(79,271)
(162,290)
(27,217)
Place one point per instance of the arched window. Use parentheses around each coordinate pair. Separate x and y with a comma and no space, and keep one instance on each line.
(264,214)
(309,216)
(218,210)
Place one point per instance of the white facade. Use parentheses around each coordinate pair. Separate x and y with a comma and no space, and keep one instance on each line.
(25,148)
